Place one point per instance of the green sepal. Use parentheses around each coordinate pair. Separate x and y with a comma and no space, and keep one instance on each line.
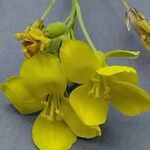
(53,46)
(122,53)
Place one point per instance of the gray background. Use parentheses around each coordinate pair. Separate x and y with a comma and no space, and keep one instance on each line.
(104,20)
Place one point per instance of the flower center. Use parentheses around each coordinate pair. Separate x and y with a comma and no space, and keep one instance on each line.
(100,87)
(96,88)
(51,109)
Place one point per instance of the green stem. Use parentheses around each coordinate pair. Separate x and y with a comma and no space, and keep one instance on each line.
(72,34)
(83,27)
(0,86)
(125,4)
(72,16)
(70,21)
(48,10)
(72,13)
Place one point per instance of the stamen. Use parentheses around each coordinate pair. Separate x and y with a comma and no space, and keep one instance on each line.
(107,93)
(96,87)
(51,114)
(94,79)
(59,116)
(58,101)
(107,88)
(97,92)
(51,107)
(45,102)
(92,91)
(43,114)
(143,37)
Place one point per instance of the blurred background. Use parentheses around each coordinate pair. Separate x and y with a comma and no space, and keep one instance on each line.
(105,22)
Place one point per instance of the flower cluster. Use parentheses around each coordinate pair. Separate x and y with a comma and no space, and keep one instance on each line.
(71,84)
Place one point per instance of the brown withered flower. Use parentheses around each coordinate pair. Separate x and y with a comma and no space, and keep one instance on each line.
(33,39)
(140,24)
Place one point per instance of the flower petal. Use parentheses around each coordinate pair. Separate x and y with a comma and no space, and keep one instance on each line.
(52,135)
(78,61)
(121,73)
(129,99)
(91,110)
(75,123)
(43,70)
(20,97)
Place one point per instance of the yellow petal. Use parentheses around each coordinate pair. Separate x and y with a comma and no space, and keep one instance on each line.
(91,110)
(20,97)
(78,61)
(120,73)
(43,70)
(52,135)
(75,123)
(129,99)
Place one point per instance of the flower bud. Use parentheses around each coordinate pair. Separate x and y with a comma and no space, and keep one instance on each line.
(55,29)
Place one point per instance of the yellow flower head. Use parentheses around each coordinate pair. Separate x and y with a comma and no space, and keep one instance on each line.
(40,87)
(142,27)
(33,39)
(101,84)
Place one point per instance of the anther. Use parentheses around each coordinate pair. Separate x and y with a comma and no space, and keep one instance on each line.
(143,37)
(44,103)
(60,117)
(57,111)
(95,79)
(107,92)
(91,92)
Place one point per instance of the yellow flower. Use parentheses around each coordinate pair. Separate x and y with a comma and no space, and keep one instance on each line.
(33,39)
(101,84)
(142,27)
(41,86)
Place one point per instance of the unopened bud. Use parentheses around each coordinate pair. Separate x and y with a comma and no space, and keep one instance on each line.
(55,29)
